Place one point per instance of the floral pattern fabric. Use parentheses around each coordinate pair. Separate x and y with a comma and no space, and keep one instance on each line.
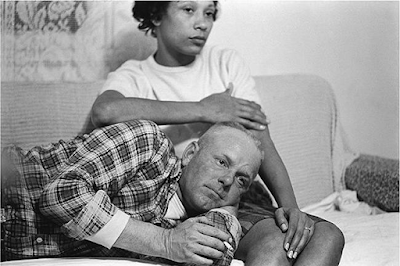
(68,41)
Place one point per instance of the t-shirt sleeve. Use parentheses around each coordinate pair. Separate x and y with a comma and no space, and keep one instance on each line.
(240,75)
(128,80)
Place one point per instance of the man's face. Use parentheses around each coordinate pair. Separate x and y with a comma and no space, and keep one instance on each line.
(218,172)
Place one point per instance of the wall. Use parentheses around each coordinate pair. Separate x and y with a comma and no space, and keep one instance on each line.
(354,45)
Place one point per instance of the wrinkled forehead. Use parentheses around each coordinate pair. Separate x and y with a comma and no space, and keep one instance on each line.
(233,142)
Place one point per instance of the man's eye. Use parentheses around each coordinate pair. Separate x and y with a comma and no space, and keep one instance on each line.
(222,162)
(242,181)
(188,9)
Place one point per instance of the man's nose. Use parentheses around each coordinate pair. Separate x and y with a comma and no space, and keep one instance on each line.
(227,179)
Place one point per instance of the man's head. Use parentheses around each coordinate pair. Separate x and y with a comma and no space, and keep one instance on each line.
(219,168)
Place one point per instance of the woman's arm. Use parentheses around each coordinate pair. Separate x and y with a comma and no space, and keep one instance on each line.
(112,107)
(288,216)
(273,172)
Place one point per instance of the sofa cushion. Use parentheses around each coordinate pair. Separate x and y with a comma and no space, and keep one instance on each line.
(376,181)
(305,126)
(306,130)
(39,113)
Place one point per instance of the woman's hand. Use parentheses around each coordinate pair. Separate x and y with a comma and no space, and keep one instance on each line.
(221,107)
(299,229)
(195,241)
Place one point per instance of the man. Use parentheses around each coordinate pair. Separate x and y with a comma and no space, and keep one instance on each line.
(121,191)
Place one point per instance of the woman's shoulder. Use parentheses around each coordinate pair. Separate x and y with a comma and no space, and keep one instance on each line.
(130,65)
(218,50)
(220,53)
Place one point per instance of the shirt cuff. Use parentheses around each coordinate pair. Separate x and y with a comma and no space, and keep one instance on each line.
(110,232)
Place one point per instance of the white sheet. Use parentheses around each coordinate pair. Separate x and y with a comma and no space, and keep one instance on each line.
(89,262)
(371,239)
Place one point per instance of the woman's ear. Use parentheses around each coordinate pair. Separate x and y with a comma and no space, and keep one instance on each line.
(156,22)
(189,152)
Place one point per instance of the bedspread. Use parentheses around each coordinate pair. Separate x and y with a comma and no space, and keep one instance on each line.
(371,235)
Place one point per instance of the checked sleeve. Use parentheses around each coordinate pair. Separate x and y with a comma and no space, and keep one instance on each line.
(81,197)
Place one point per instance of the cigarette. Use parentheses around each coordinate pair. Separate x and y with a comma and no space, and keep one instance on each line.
(228,246)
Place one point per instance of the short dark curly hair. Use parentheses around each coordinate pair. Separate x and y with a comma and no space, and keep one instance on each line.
(147,11)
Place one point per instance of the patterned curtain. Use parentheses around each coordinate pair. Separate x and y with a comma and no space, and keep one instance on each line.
(68,41)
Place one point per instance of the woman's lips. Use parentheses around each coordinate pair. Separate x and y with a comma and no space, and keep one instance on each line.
(198,39)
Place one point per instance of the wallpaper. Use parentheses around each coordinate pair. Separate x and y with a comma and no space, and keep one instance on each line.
(73,41)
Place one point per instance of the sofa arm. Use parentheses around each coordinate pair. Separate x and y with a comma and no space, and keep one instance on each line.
(376,181)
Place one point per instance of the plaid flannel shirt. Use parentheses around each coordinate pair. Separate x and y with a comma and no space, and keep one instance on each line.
(57,195)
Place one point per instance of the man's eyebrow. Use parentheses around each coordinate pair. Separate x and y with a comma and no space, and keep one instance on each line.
(230,161)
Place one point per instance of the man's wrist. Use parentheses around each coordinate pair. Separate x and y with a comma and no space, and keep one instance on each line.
(110,232)
(166,244)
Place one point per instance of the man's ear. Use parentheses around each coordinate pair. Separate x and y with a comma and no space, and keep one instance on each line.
(189,152)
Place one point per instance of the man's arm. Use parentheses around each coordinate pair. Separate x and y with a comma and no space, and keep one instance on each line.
(78,199)
(112,107)
(193,241)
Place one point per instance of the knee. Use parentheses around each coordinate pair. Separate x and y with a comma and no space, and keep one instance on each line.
(333,237)
(263,247)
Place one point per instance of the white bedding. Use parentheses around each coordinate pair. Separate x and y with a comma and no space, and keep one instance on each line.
(371,239)
(89,262)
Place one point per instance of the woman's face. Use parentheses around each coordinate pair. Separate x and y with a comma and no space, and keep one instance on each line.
(183,31)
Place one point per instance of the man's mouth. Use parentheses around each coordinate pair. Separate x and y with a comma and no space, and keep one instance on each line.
(215,192)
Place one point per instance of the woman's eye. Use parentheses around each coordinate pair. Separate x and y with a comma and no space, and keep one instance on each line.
(210,14)
(188,9)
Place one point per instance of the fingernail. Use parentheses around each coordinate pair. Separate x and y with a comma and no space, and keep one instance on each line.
(290,255)
(284,227)
(230,240)
(262,127)
(295,255)
(287,246)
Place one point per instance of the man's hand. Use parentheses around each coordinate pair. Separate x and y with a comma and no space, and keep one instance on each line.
(299,229)
(221,107)
(195,241)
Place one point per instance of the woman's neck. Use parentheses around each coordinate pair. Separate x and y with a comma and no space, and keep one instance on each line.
(166,59)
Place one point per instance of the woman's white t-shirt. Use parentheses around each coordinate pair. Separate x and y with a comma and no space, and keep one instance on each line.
(211,72)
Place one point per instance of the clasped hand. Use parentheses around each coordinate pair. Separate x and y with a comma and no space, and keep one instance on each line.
(299,229)
(196,241)
(221,107)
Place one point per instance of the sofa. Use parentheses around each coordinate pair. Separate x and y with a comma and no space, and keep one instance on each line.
(357,192)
